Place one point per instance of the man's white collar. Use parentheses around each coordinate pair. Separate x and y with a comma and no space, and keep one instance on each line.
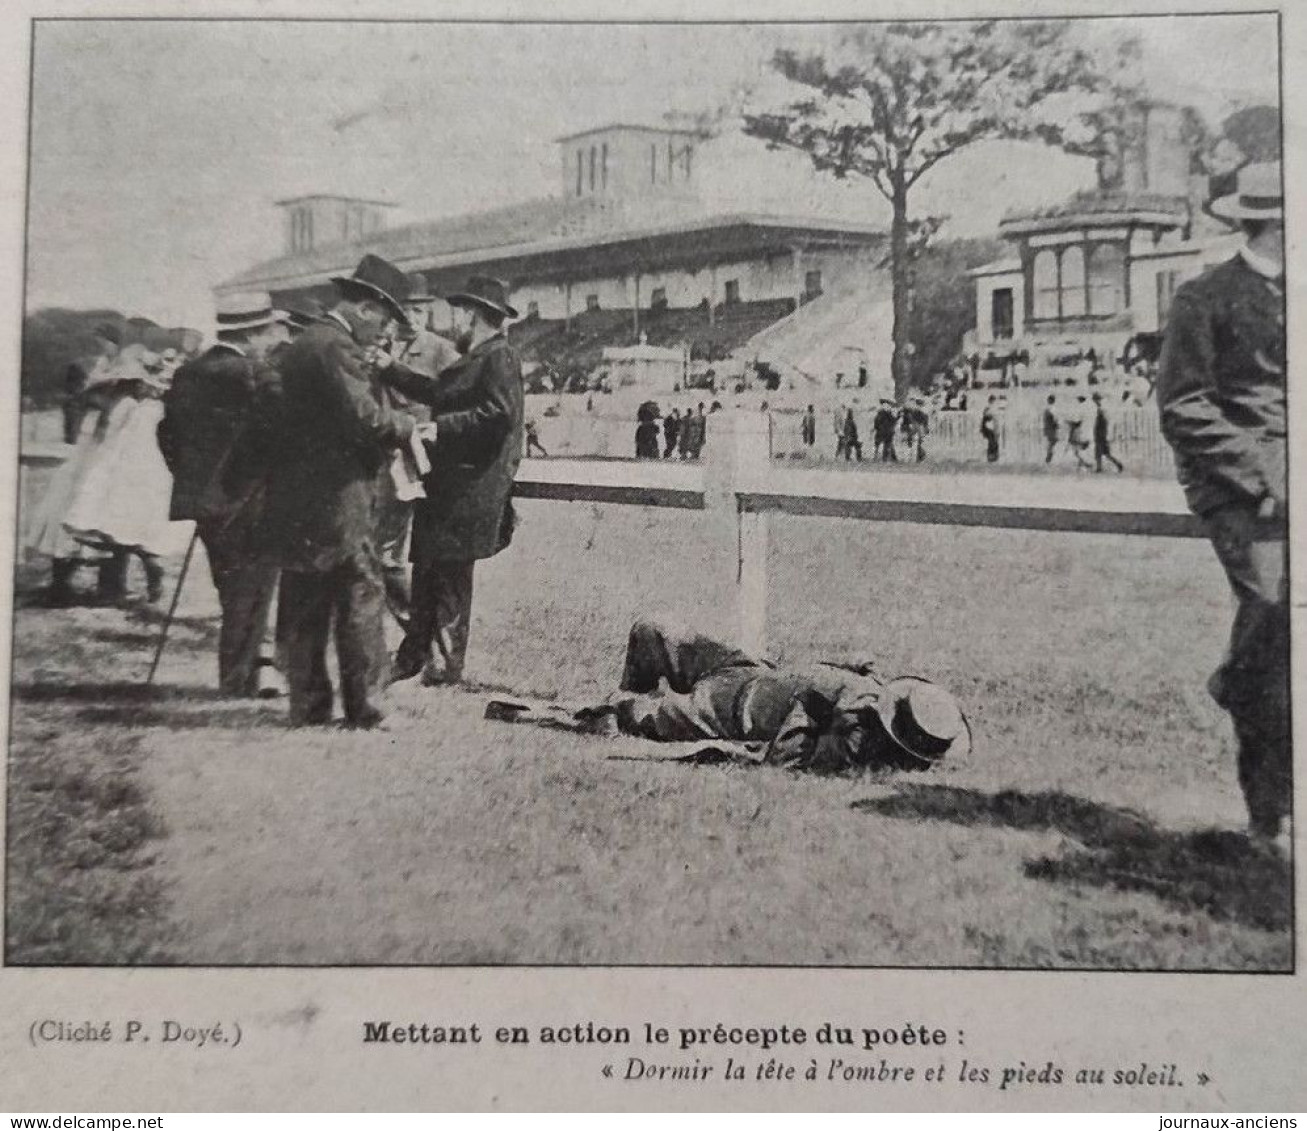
(340,319)
(230,346)
(1262,264)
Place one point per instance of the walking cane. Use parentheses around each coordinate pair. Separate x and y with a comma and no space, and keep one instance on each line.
(172,609)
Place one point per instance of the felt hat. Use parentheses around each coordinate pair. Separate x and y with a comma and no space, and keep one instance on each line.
(419,290)
(1258,195)
(486,292)
(377,278)
(924,719)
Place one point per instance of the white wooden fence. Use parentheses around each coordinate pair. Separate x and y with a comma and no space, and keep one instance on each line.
(740,484)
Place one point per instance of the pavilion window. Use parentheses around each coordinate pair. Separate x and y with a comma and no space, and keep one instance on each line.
(1073,282)
(653,164)
(671,162)
(592,302)
(594,161)
(732,291)
(658,299)
(603,166)
(1045,286)
(580,185)
(1106,279)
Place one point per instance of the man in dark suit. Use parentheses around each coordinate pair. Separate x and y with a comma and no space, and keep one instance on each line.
(477,411)
(219,482)
(1221,392)
(333,439)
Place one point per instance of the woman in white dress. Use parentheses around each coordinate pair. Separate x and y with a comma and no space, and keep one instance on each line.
(120,504)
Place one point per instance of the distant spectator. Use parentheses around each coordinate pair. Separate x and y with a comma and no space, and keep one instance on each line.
(646,433)
(915,424)
(701,430)
(1052,429)
(671,432)
(1075,430)
(1102,444)
(808,427)
(533,444)
(989,430)
(882,433)
(852,444)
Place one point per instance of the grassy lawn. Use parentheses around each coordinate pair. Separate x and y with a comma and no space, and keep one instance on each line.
(1089,827)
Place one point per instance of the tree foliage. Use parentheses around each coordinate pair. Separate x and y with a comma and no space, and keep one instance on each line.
(888,103)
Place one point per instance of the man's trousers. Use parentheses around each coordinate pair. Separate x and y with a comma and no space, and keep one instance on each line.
(1252,683)
(440,615)
(245,592)
(350,599)
(394,517)
(704,677)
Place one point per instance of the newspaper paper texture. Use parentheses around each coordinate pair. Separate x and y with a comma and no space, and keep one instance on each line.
(861,459)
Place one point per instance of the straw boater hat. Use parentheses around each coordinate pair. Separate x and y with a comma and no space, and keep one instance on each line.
(1258,195)
(485,292)
(238,314)
(377,278)
(924,720)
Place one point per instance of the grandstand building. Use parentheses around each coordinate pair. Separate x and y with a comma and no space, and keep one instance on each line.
(623,252)
(1098,271)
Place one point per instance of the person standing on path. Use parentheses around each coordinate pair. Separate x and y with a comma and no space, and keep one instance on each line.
(1102,440)
(1221,393)
(333,435)
(477,418)
(1051,429)
(219,480)
(989,430)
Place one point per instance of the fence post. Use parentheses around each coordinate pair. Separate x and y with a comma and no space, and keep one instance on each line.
(738,459)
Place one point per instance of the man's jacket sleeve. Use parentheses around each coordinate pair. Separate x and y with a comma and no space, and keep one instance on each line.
(365,418)
(1193,422)
(815,736)
(473,434)
(417,387)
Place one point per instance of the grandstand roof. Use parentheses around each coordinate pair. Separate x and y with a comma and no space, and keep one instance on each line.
(1099,209)
(549,237)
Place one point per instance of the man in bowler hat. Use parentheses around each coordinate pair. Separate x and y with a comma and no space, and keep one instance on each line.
(477,411)
(334,436)
(1221,392)
(219,478)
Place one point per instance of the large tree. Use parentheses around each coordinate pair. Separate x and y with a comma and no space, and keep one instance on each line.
(889,102)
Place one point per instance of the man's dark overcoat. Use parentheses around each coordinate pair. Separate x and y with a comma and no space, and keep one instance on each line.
(333,433)
(478,409)
(206,412)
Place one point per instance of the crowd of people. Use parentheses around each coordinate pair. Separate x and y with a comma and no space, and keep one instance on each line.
(326,472)
(683,435)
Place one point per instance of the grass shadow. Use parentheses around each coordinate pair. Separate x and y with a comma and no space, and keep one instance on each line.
(1218,871)
(113,691)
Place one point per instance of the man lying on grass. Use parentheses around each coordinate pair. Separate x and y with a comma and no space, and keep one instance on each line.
(722,702)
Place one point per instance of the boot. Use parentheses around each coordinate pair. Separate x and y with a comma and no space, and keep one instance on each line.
(61,591)
(153,577)
(111,585)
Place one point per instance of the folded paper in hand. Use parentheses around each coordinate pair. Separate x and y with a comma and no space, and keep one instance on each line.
(407,469)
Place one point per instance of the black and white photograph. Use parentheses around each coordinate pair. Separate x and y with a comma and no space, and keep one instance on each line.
(653,494)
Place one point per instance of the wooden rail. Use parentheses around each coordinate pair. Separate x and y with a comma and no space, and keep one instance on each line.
(740,486)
